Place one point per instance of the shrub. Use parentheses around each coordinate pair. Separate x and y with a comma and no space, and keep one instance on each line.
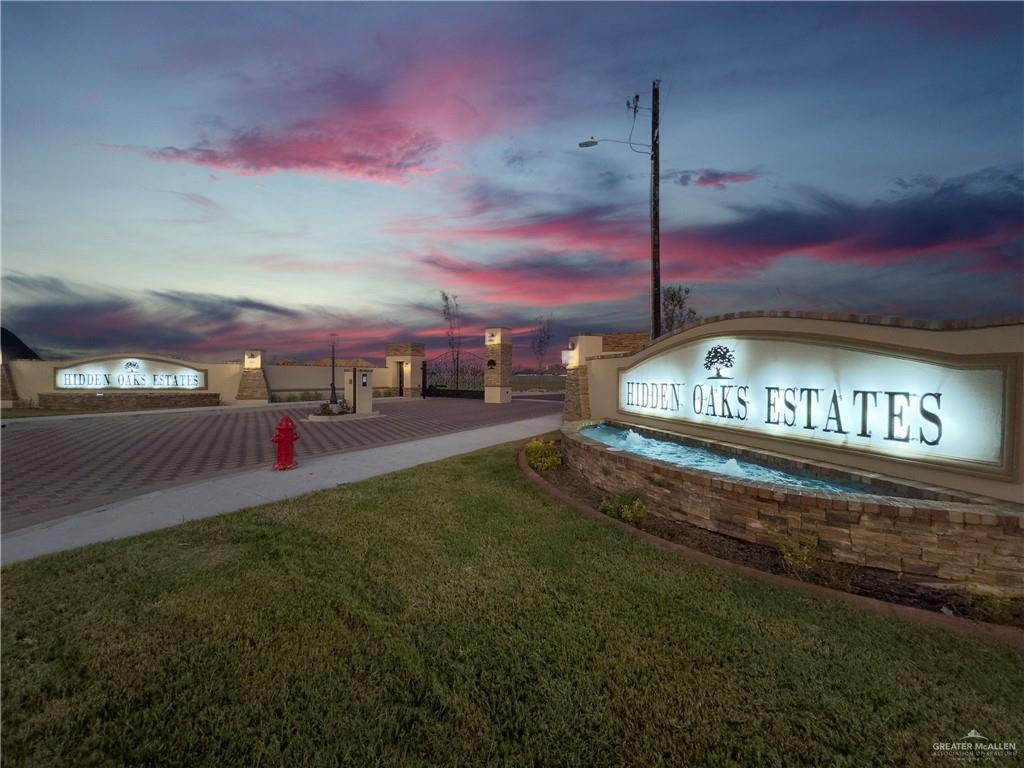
(325,409)
(798,554)
(542,455)
(993,608)
(800,557)
(628,507)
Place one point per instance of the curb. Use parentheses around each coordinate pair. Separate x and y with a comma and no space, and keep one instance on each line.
(956,624)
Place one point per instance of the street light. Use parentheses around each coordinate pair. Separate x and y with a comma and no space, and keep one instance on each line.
(334,392)
(652,148)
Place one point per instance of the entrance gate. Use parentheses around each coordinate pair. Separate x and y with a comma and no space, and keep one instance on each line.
(454,374)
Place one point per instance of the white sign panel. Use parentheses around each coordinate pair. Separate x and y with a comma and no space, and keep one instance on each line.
(833,395)
(129,373)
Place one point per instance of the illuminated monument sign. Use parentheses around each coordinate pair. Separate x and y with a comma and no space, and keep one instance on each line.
(129,373)
(840,396)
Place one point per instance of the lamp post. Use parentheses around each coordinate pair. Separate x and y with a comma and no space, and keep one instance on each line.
(334,392)
(652,150)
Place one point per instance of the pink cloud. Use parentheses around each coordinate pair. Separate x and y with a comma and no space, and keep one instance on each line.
(713,179)
(387,130)
(595,229)
(540,280)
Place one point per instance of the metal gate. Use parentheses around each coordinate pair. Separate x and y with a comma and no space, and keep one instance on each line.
(454,374)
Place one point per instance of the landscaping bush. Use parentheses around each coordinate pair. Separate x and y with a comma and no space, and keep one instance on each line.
(800,556)
(628,507)
(542,455)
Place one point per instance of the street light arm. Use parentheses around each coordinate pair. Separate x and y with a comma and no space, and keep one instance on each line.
(587,143)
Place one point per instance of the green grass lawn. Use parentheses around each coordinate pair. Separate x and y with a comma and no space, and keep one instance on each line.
(545,381)
(454,615)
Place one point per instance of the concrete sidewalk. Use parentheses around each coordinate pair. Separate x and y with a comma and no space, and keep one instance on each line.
(217,496)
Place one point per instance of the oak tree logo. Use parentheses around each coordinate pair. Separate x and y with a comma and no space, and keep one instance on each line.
(717,358)
(131,366)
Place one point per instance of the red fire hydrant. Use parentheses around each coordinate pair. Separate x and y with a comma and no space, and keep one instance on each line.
(285,437)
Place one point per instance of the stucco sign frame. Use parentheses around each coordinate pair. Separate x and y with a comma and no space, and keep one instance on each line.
(935,409)
(130,373)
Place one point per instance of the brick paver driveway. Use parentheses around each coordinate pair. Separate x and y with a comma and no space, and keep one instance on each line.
(52,468)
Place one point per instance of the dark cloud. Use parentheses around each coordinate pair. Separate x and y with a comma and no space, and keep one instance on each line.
(63,319)
(710,177)
(484,197)
(519,159)
(219,308)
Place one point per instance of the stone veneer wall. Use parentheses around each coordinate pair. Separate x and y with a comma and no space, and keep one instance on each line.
(577,395)
(124,401)
(501,374)
(8,392)
(252,385)
(624,342)
(398,350)
(393,392)
(978,546)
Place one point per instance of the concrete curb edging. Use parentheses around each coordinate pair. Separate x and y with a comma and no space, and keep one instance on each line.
(956,624)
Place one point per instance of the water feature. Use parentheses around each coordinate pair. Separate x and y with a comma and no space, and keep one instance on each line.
(704,459)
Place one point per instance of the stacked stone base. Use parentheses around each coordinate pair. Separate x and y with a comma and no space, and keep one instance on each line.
(393,392)
(8,392)
(577,394)
(253,386)
(971,545)
(126,401)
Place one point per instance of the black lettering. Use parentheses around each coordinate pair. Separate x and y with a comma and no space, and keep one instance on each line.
(698,399)
(806,393)
(710,407)
(664,397)
(864,431)
(675,396)
(726,409)
(932,417)
(741,398)
(896,417)
(773,394)
(835,415)
(629,393)
(790,404)
(106,379)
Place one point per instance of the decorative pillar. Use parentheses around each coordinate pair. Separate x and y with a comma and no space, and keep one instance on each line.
(405,369)
(498,365)
(252,384)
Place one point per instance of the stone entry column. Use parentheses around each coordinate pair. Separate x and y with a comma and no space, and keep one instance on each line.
(252,385)
(405,369)
(498,365)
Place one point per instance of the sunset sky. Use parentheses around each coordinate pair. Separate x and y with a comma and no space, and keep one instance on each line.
(201,178)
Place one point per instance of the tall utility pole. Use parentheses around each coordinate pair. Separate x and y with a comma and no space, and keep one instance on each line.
(634,105)
(655,220)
